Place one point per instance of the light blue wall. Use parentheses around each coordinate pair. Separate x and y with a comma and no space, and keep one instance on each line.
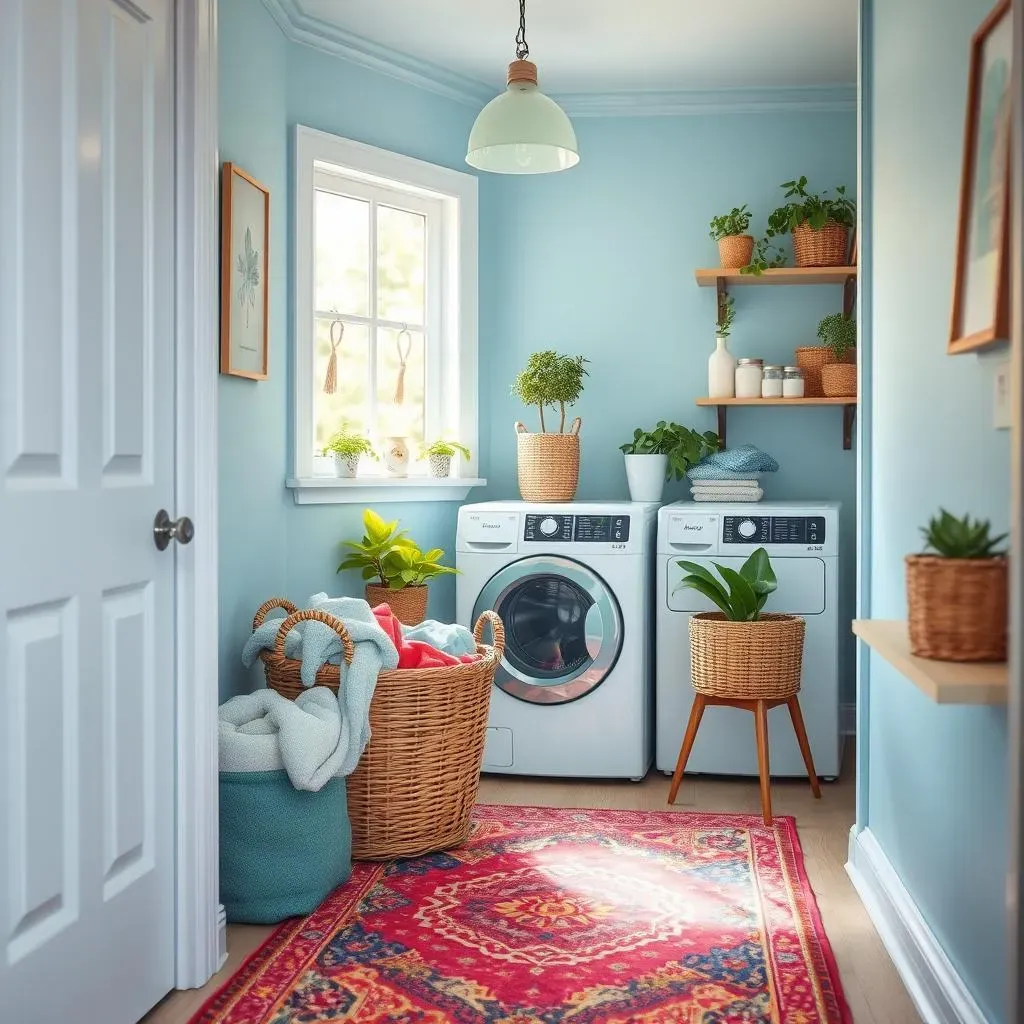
(937,797)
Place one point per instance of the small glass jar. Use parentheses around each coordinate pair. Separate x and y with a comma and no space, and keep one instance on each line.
(771,382)
(748,378)
(792,382)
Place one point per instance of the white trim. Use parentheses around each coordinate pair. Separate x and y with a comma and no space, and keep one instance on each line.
(197,942)
(455,193)
(302,28)
(222,936)
(336,491)
(938,991)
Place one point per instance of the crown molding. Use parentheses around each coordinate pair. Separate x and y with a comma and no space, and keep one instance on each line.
(300,27)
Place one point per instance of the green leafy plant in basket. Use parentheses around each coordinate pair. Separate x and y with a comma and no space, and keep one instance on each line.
(816,209)
(739,595)
(839,333)
(550,380)
(729,224)
(684,447)
(950,537)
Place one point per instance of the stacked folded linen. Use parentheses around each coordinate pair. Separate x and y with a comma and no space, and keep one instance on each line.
(726,490)
(731,475)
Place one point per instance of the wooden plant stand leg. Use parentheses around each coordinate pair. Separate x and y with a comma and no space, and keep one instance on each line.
(763,765)
(805,747)
(696,714)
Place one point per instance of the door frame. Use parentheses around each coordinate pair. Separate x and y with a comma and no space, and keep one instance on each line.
(199,927)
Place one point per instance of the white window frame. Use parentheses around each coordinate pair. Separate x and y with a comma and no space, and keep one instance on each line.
(452,409)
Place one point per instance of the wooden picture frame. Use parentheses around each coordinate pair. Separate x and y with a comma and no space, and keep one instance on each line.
(981,298)
(244,274)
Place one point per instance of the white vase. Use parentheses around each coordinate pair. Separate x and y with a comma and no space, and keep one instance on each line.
(721,370)
(396,456)
(646,476)
(346,466)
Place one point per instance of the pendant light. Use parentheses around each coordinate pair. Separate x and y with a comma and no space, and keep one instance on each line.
(522,131)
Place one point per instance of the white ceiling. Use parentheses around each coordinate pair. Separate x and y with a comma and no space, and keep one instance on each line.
(601,46)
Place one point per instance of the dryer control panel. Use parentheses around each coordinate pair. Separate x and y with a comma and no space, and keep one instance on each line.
(773,530)
(578,529)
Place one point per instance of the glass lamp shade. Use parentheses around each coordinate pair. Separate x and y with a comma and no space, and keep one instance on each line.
(522,131)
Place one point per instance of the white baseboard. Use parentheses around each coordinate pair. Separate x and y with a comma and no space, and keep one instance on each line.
(222,936)
(938,991)
(848,719)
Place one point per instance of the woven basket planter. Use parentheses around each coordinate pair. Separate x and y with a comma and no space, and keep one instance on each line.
(414,788)
(958,608)
(549,464)
(440,466)
(746,660)
(838,380)
(409,604)
(812,359)
(825,248)
(735,251)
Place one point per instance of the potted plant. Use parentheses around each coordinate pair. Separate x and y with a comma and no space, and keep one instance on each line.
(819,223)
(394,568)
(348,448)
(661,454)
(721,362)
(839,374)
(957,597)
(439,457)
(729,230)
(549,462)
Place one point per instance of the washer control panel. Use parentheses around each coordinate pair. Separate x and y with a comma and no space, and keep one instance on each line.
(773,530)
(578,529)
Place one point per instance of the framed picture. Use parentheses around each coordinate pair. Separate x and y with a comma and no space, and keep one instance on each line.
(245,233)
(981,301)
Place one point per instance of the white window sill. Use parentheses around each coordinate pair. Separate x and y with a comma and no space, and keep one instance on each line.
(331,490)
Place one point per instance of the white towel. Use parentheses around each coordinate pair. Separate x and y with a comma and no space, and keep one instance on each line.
(736,494)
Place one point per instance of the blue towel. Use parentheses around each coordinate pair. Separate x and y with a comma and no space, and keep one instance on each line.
(740,462)
(448,637)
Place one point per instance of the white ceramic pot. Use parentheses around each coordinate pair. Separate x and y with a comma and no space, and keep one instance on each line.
(396,456)
(721,370)
(346,466)
(646,476)
(440,466)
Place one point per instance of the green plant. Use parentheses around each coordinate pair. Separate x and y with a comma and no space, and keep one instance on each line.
(815,209)
(839,333)
(726,316)
(551,379)
(444,448)
(388,557)
(735,222)
(950,537)
(766,255)
(684,447)
(740,595)
(349,445)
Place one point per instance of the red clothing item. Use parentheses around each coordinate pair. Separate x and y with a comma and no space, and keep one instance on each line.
(415,653)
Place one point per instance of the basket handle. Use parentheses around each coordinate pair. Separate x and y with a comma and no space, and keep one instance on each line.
(315,615)
(521,428)
(497,631)
(575,427)
(269,606)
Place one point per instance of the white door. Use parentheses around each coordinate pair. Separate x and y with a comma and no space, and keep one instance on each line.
(86,460)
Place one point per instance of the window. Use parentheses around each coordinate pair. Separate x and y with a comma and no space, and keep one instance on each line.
(385,314)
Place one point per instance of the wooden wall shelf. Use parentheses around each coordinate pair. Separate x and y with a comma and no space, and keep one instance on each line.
(709,277)
(849,406)
(945,682)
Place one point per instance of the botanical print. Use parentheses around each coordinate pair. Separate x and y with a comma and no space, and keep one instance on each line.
(249,276)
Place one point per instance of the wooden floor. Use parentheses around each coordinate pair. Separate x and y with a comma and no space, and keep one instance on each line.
(873,989)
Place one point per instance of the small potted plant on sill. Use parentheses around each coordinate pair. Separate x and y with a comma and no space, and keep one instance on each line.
(819,223)
(661,454)
(439,457)
(839,374)
(549,462)
(957,597)
(348,448)
(394,568)
(729,230)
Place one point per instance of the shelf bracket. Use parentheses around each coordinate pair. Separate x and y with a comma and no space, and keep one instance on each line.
(849,413)
(849,294)
(720,288)
(722,410)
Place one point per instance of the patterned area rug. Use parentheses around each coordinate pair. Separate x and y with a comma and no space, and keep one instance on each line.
(559,916)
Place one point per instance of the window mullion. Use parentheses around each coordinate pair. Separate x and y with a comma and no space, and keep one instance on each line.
(373,326)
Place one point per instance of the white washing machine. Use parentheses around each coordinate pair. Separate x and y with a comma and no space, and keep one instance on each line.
(802,541)
(573,584)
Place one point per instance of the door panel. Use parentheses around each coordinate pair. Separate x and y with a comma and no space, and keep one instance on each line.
(86,459)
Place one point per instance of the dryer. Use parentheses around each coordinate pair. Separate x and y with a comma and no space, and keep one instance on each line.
(802,541)
(572,582)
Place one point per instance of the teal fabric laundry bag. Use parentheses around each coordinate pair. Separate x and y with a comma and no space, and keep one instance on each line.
(282,850)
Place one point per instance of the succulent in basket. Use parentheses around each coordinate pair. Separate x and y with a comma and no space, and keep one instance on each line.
(348,448)
(439,456)
(950,537)
(740,595)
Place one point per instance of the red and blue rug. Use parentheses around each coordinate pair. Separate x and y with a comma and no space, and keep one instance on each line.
(559,916)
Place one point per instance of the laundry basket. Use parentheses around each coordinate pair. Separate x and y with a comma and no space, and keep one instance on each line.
(414,788)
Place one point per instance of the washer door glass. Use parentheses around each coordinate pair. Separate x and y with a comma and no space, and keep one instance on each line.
(563,628)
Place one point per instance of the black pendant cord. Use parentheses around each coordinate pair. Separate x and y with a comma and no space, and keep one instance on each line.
(522,47)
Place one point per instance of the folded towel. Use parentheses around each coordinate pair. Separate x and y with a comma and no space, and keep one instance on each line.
(725,485)
(745,458)
(417,653)
(707,473)
(738,496)
(264,731)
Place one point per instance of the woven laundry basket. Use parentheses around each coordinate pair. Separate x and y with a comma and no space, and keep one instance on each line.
(549,464)
(735,251)
(414,788)
(827,247)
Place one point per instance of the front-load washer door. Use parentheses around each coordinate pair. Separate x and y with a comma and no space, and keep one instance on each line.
(563,628)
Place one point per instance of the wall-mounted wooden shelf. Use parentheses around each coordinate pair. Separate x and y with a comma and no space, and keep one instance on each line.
(849,406)
(709,277)
(945,682)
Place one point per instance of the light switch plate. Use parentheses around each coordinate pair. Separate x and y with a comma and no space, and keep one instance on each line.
(1001,397)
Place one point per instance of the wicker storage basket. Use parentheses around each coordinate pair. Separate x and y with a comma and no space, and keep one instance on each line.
(734,251)
(414,788)
(811,359)
(838,380)
(825,248)
(957,607)
(409,604)
(746,660)
(549,464)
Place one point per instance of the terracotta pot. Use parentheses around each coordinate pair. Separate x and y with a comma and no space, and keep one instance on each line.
(409,604)
(735,251)
(958,608)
